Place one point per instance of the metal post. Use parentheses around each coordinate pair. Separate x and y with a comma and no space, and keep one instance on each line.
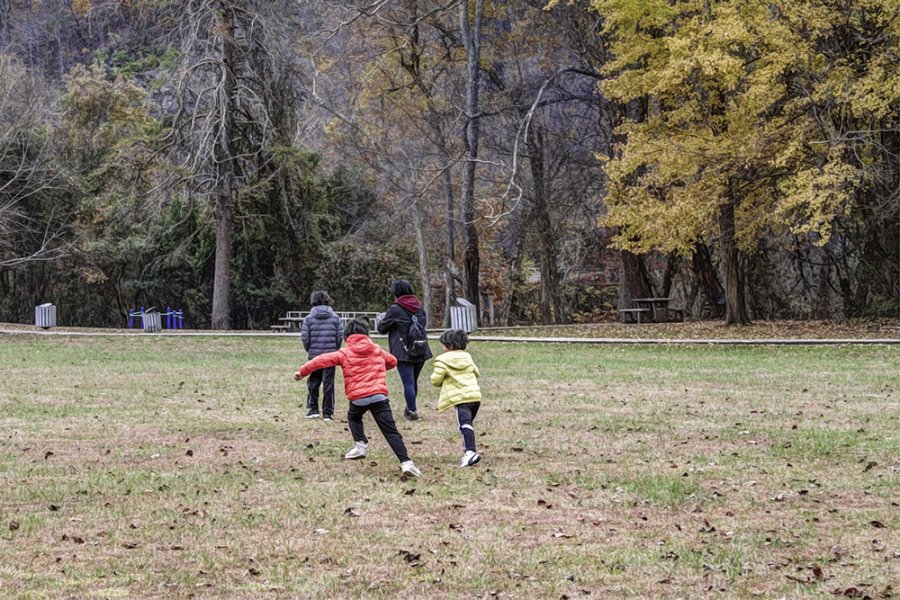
(130,318)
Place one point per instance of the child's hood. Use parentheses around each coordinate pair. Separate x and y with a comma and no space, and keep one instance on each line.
(321,311)
(410,302)
(361,345)
(457,360)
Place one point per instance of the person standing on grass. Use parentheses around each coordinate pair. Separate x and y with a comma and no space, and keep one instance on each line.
(320,333)
(404,323)
(365,365)
(457,376)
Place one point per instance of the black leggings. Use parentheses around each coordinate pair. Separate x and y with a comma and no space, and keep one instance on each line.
(465,415)
(384,418)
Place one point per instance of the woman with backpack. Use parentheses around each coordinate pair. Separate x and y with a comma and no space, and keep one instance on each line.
(404,324)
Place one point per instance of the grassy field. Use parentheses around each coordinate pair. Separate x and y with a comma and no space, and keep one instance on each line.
(150,466)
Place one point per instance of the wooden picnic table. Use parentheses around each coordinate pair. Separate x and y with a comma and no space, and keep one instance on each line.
(658,309)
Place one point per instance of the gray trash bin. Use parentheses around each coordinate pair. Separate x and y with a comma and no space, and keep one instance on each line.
(463,316)
(152,322)
(45,315)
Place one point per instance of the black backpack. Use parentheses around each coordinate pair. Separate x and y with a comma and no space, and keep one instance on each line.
(416,341)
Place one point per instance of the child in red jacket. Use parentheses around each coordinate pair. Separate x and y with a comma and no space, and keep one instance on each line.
(365,365)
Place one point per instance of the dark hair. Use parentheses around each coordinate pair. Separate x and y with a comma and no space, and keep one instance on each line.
(401,287)
(455,339)
(356,326)
(319,298)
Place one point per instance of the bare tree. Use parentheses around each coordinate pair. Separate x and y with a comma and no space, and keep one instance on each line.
(470,27)
(27,175)
(223,128)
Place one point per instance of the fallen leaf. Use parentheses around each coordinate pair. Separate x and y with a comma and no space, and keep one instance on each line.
(352,512)
(13,525)
(410,556)
(877,524)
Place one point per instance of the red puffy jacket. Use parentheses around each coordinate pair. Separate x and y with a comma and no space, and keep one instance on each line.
(364,364)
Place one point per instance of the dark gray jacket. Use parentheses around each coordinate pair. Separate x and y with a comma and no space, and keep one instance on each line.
(321,331)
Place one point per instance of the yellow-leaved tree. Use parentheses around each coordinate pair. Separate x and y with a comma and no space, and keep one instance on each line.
(761,118)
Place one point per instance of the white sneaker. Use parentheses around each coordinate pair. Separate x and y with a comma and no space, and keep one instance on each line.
(469,458)
(358,451)
(409,468)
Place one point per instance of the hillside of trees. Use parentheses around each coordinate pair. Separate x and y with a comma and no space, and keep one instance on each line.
(548,160)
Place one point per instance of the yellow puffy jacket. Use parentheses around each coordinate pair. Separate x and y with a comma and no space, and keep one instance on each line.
(457,376)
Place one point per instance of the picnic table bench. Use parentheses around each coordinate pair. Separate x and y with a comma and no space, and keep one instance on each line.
(293,319)
(634,315)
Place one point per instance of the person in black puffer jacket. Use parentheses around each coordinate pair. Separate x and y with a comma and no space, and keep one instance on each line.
(396,323)
(321,332)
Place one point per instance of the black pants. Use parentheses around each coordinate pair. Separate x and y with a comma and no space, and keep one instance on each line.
(325,377)
(465,415)
(384,418)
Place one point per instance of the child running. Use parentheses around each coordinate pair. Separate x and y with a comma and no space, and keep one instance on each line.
(365,365)
(457,376)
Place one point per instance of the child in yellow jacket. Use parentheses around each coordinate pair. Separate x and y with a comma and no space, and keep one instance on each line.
(457,376)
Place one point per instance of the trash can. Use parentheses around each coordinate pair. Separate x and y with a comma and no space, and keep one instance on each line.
(463,316)
(152,322)
(45,316)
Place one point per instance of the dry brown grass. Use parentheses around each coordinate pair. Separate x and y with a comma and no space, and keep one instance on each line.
(181,467)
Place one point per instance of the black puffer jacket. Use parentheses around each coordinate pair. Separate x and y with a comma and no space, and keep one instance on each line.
(396,323)
(321,331)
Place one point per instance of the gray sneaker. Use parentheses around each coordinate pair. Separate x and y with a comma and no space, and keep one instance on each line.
(410,415)
(409,468)
(359,450)
(469,458)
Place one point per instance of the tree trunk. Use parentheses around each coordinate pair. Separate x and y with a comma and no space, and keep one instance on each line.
(735,305)
(635,282)
(471,34)
(551,304)
(423,260)
(411,60)
(450,215)
(4,22)
(669,276)
(514,243)
(224,209)
(706,275)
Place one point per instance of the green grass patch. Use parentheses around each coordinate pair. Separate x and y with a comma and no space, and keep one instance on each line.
(173,467)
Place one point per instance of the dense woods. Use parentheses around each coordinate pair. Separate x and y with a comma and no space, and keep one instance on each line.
(546,161)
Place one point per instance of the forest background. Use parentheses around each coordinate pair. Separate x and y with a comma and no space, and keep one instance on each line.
(547,161)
